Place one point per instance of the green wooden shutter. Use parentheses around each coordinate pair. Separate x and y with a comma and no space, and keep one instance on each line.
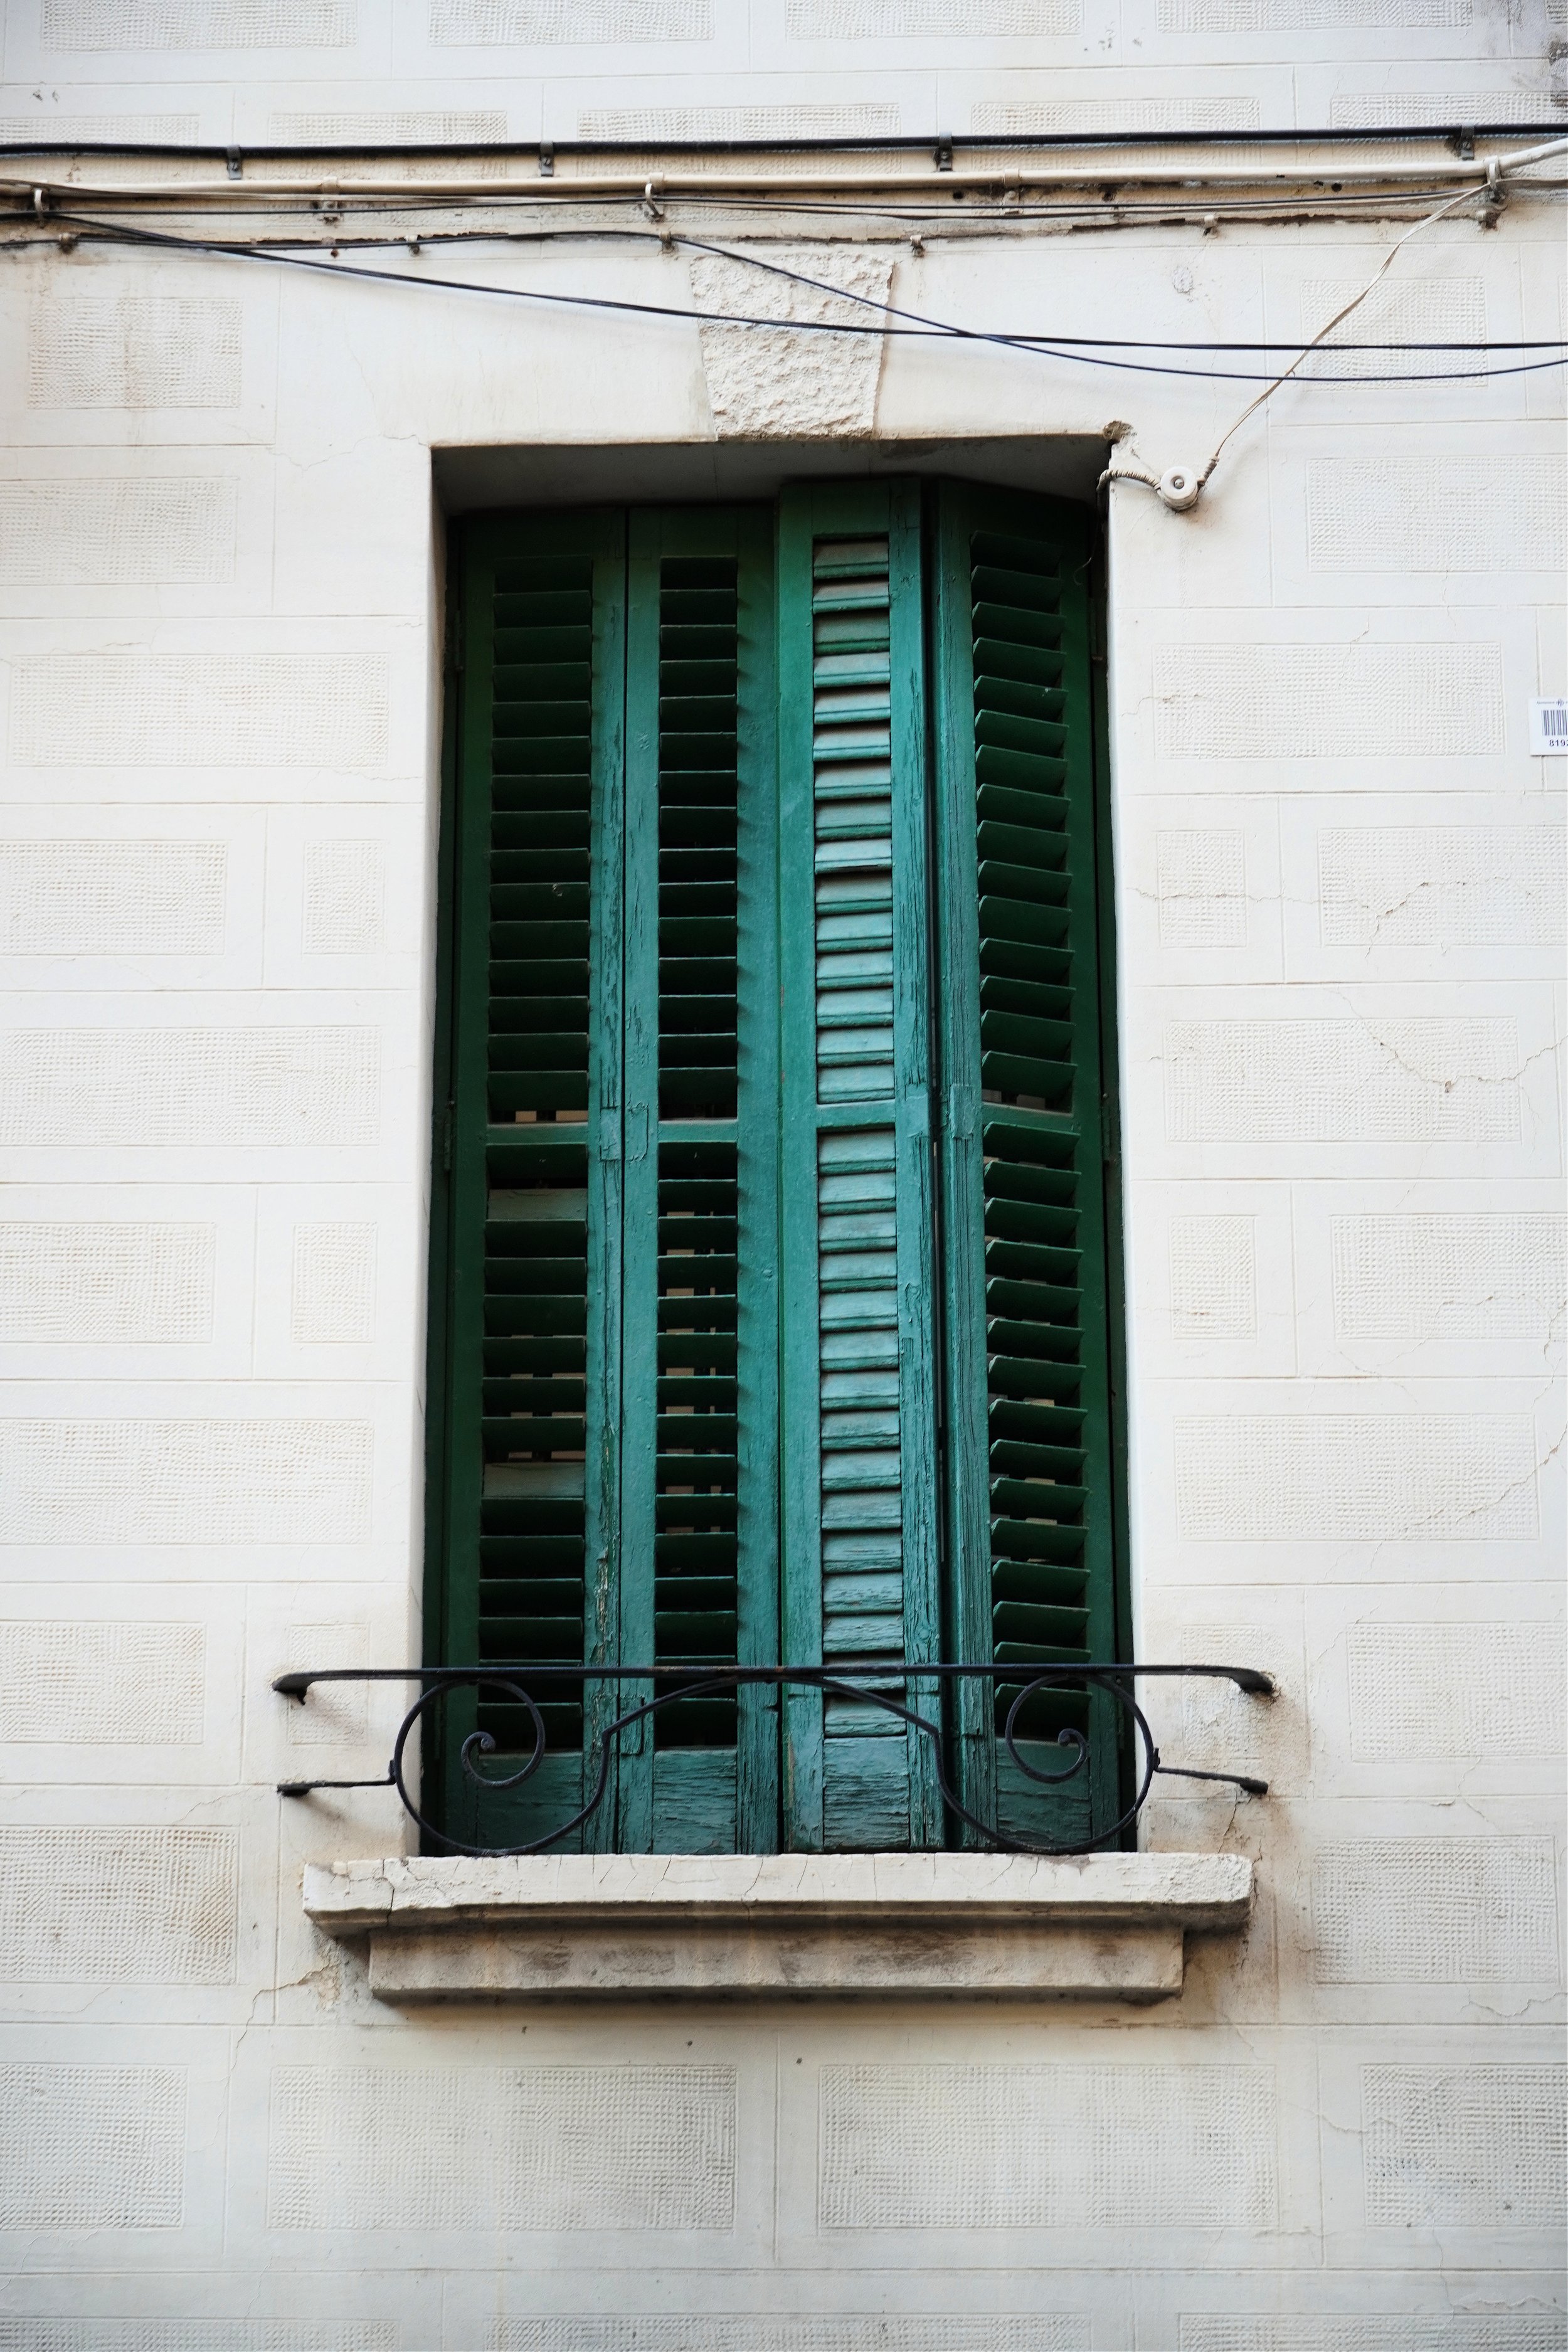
(860,1526)
(610,1260)
(1030,1434)
(528,1501)
(729,1362)
(699,1450)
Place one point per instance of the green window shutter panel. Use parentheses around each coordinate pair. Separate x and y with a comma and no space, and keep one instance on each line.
(529,1502)
(1030,1454)
(611,1270)
(861,1531)
(699,1550)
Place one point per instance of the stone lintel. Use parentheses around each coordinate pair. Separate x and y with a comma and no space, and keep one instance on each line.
(1104,1927)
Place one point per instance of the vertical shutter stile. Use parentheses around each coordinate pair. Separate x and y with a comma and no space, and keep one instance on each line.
(860,1520)
(1029,1450)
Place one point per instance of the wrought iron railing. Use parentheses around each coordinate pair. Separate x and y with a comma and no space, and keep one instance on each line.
(877,1687)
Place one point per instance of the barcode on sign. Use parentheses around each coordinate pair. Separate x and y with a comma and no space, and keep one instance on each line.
(1549,725)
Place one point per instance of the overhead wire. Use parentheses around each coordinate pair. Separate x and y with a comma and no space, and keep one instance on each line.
(909,324)
(1378,274)
(1066,346)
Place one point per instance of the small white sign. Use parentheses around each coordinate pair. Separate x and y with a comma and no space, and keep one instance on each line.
(1549,725)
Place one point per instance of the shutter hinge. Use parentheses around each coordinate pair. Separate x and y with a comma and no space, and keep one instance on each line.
(960,1112)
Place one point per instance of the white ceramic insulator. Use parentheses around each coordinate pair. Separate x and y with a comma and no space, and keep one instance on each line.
(1180,488)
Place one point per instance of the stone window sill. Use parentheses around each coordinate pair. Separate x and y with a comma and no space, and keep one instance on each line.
(1105,1926)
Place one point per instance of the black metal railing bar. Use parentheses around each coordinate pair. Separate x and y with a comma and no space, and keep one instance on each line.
(875,1687)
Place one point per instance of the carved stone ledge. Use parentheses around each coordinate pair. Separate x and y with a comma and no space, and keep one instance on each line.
(1105,1927)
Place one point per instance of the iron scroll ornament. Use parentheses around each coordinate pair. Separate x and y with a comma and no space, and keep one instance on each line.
(697,1681)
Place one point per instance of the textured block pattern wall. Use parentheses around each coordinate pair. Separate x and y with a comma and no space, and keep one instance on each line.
(203,710)
(320,1084)
(106,1285)
(1297,15)
(1213,1277)
(1479,1690)
(70,25)
(1115,2146)
(546,2148)
(1420,1081)
(132,2119)
(1483,2147)
(1447,309)
(739,2332)
(893,20)
(1466,514)
(184,1482)
(1368,2332)
(346,895)
(37,2335)
(116,533)
(121,897)
(1350,1477)
(489,24)
(1435,1911)
(1203,889)
(1442,886)
(103,1685)
(1459,1278)
(333,1291)
(132,351)
(118,1906)
(1330,702)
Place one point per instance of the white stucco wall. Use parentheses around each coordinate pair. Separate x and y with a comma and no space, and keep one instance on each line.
(1340,943)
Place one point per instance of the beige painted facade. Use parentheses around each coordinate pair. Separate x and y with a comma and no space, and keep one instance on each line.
(1340,895)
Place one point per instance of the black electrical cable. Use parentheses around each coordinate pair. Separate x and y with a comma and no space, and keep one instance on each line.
(1038,346)
(1063,343)
(647,237)
(874,142)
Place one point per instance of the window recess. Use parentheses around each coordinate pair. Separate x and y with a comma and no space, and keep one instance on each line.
(770,1294)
